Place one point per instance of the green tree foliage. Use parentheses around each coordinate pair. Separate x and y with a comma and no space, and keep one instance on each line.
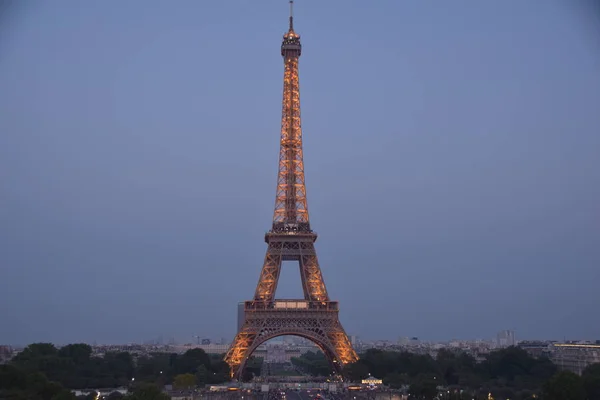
(189,362)
(423,389)
(41,371)
(37,357)
(564,386)
(507,373)
(202,375)
(355,372)
(18,384)
(393,380)
(184,381)
(514,367)
(313,363)
(381,363)
(591,381)
(252,369)
(157,367)
(78,353)
(75,367)
(218,368)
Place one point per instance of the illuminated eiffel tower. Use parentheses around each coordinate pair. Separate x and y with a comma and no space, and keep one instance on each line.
(291,239)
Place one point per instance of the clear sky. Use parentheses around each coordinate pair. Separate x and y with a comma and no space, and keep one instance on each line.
(451,154)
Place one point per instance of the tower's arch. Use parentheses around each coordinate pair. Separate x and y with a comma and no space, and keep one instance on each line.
(321,342)
(315,321)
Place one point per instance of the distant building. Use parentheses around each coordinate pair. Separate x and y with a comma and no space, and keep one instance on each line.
(575,357)
(505,339)
(212,348)
(536,348)
(371,381)
(280,354)
(5,354)
(275,354)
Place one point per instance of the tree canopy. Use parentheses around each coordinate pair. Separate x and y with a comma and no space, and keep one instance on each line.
(17,384)
(75,367)
(564,385)
(509,373)
(43,372)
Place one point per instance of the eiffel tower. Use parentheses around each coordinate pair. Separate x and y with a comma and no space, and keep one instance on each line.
(291,239)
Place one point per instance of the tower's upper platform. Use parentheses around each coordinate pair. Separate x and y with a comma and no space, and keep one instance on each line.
(291,47)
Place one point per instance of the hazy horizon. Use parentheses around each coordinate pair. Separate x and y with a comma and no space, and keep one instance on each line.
(451,156)
(192,340)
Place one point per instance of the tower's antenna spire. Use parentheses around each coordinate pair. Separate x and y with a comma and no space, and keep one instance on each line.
(291,15)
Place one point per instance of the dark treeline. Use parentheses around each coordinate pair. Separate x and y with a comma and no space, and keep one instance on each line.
(312,363)
(41,371)
(508,374)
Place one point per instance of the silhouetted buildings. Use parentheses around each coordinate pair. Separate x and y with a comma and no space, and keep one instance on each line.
(5,354)
(505,339)
(575,357)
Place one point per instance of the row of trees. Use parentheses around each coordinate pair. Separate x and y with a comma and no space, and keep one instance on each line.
(16,384)
(43,371)
(569,386)
(312,363)
(508,374)
(75,367)
(507,370)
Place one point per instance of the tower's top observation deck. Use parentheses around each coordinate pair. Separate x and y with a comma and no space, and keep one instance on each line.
(291,47)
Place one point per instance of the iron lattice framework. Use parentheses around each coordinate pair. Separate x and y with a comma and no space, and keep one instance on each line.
(291,239)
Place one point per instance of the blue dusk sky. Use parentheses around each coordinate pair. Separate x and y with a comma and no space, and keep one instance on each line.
(451,151)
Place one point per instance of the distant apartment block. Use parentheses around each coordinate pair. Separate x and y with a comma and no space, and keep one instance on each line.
(280,354)
(536,348)
(505,339)
(213,348)
(5,354)
(575,357)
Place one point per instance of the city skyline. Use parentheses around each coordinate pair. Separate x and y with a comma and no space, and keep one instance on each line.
(364,343)
(451,166)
